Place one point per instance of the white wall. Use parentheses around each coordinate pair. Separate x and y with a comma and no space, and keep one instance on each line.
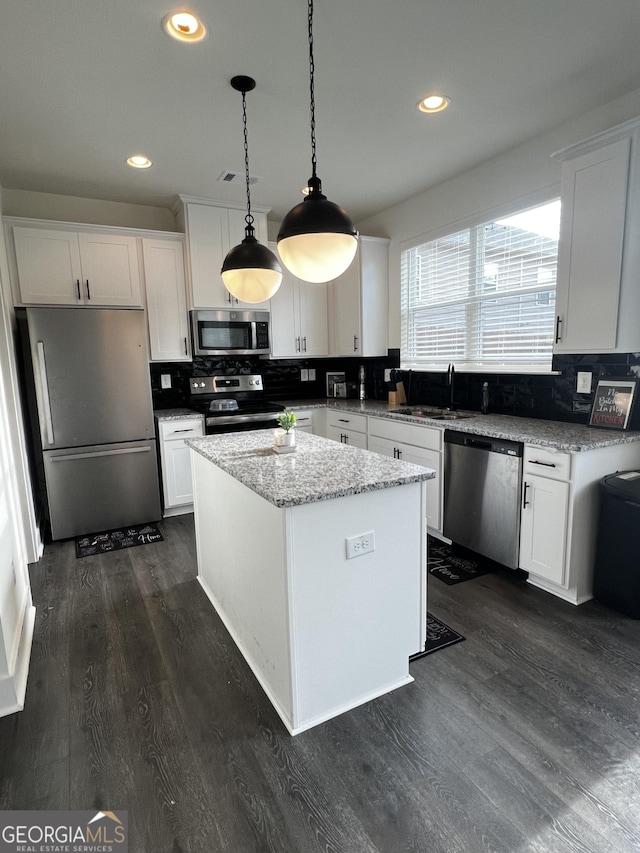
(526,174)
(64,208)
(16,546)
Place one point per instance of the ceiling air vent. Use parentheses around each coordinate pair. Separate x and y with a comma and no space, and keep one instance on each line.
(228,177)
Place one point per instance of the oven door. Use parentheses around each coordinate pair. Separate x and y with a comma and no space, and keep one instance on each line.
(239,423)
(230,332)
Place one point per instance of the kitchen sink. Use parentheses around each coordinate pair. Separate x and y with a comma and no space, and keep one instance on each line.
(432,413)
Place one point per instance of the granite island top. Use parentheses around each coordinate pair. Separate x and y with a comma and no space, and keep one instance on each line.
(319,469)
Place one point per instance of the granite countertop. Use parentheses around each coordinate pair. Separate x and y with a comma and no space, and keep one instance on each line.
(556,434)
(318,470)
(176,414)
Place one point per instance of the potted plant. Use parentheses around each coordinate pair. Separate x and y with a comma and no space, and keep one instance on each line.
(284,436)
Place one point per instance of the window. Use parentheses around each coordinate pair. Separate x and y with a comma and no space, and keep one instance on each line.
(483,298)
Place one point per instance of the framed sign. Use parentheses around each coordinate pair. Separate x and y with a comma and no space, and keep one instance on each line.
(612,403)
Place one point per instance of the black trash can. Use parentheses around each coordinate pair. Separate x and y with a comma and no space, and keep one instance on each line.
(616,580)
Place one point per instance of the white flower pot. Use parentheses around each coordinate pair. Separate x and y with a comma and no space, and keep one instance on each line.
(284,439)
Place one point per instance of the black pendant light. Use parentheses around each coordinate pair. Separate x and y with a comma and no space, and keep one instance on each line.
(250,271)
(317,240)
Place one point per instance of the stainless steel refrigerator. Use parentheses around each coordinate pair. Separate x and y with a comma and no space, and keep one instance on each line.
(87,378)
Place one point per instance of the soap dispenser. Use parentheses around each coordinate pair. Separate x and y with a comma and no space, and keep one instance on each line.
(361,382)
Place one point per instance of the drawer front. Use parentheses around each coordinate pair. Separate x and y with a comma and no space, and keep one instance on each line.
(304,419)
(187,428)
(347,421)
(420,436)
(547,462)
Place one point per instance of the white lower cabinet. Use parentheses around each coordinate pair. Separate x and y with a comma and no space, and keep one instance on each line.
(347,428)
(420,445)
(543,530)
(175,462)
(559,515)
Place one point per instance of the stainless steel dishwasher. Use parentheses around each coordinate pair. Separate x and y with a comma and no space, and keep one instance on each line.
(482,485)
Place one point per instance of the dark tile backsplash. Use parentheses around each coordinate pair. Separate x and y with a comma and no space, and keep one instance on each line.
(549,397)
(281,377)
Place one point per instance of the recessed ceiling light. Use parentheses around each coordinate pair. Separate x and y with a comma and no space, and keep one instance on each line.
(433,104)
(184,26)
(138,161)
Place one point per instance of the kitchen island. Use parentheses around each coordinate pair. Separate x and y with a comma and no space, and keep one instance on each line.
(316,563)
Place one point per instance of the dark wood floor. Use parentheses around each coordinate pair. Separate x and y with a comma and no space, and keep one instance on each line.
(525,737)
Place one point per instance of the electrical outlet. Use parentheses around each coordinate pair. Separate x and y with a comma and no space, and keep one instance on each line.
(165,380)
(304,375)
(583,382)
(312,374)
(387,374)
(362,544)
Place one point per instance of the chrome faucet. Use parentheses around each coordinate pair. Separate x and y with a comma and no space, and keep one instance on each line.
(451,372)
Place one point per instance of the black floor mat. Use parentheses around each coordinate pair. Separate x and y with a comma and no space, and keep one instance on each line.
(443,563)
(114,540)
(439,636)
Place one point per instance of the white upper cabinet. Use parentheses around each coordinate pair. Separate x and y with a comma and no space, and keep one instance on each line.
(359,301)
(66,267)
(211,231)
(299,318)
(598,288)
(166,300)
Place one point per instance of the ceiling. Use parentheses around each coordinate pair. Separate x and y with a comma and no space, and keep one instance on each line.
(86,83)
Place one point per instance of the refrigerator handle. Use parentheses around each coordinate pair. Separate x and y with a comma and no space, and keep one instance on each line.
(44,385)
(95,453)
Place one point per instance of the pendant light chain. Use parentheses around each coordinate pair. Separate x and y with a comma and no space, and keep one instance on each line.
(249,217)
(312,91)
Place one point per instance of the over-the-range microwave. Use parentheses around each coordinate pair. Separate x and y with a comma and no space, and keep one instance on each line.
(228,332)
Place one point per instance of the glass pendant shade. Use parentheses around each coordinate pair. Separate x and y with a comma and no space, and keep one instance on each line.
(317,240)
(251,272)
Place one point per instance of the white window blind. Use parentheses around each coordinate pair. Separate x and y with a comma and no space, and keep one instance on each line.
(483,298)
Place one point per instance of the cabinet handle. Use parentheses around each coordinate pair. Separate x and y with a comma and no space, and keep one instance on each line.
(304,344)
(184,430)
(546,464)
(298,344)
(397,453)
(88,291)
(344,438)
(558,324)
(186,351)
(525,502)
(355,343)
(344,420)
(300,420)
(78,288)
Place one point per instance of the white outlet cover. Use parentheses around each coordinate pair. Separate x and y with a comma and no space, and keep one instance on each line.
(583,382)
(312,374)
(165,380)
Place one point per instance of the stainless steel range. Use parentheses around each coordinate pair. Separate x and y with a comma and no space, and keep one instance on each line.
(233,403)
